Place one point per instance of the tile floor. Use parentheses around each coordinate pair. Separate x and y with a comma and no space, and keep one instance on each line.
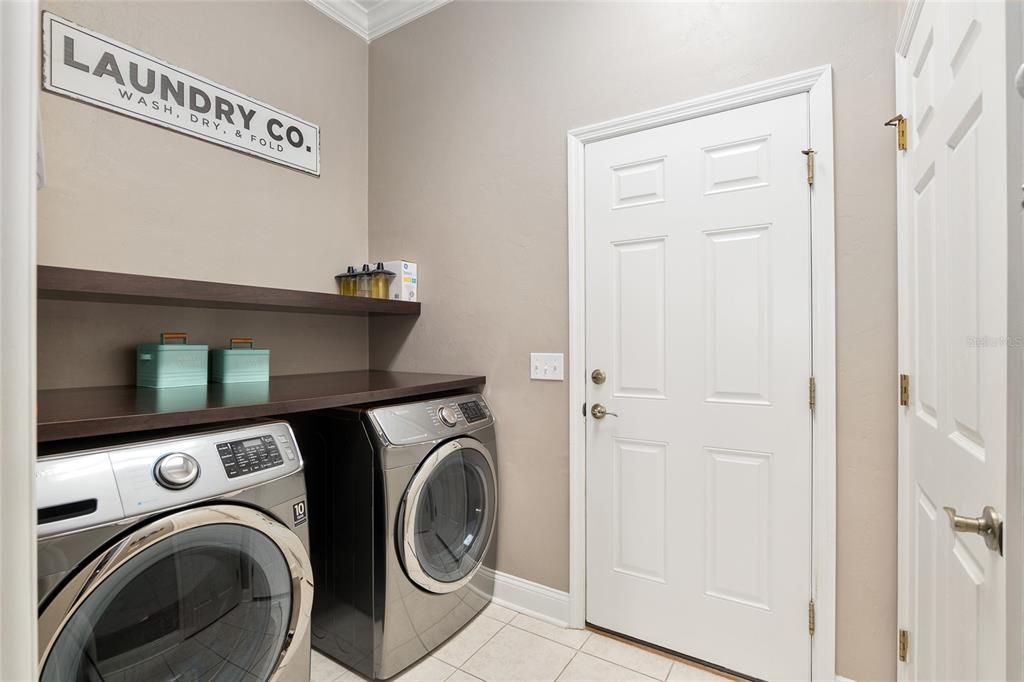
(501,645)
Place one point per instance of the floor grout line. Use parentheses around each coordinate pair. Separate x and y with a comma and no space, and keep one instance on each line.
(477,650)
(555,641)
(628,667)
(449,675)
(576,651)
(571,659)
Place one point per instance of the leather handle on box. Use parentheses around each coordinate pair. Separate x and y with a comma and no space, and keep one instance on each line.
(241,340)
(173,336)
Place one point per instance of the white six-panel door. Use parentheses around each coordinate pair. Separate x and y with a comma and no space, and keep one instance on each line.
(953,257)
(698,311)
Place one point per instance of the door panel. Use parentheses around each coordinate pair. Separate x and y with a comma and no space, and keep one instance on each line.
(953,239)
(737,292)
(639,304)
(926,553)
(737,520)
(698,310)
(638,503)
(639,183)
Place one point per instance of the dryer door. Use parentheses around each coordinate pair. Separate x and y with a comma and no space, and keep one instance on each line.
(447,518)
(215,592)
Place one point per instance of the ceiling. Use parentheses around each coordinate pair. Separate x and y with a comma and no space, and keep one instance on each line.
(370,19)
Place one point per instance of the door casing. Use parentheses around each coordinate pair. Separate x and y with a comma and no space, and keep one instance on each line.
(817,82)
(19,128)
(1015,383)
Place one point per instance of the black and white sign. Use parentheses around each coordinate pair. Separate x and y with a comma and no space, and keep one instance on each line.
(89,67)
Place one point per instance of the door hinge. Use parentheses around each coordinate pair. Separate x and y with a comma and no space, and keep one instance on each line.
(812,393)
(904,389)
(810,617)
(899,122)
(809,153)
(904,645)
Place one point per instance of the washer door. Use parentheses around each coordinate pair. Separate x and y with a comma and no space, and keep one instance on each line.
(216,592)
(447,517)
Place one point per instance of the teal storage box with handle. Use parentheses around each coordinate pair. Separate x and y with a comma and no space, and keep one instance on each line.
(169,365)
(233,365)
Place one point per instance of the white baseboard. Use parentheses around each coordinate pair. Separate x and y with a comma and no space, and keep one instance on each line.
(533,599)
(840,678)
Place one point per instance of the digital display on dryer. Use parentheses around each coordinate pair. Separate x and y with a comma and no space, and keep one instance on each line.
(472,411)
(241,457)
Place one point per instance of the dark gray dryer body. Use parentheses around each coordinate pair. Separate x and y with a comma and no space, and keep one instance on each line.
(404,500)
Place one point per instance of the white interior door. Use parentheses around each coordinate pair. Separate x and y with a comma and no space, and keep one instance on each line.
(953,258)
(698,312)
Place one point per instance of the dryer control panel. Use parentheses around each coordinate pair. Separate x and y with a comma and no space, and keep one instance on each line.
(89,488)
(431,420)
(241,457)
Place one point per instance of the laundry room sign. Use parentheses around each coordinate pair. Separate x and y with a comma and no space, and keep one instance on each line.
(92,68)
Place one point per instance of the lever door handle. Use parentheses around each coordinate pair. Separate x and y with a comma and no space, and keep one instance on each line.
(599,411)
(989,525)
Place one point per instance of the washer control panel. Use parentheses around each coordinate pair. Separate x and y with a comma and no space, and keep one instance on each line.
(86,488)
(431,419)
(448,416)
(176,470)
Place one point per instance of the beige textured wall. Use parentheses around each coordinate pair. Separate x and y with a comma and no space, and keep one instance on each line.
(127,196)
(469,107)
(93,344)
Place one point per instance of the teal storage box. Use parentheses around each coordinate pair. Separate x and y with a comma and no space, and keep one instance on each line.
(169,365)
(233,365)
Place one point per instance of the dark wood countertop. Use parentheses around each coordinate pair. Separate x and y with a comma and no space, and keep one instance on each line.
(102,410)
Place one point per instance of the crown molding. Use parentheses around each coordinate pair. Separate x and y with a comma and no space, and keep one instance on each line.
(379,19)
(347,13)
(387,16)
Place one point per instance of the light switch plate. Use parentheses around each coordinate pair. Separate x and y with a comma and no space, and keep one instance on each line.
(547,366)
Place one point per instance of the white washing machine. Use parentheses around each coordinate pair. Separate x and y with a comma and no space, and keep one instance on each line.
(183,558)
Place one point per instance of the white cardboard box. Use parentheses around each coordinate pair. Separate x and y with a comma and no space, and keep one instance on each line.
(403,285)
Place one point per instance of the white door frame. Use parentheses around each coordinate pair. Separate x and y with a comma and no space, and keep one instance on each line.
(817,83)
(19,119)
(1015,365)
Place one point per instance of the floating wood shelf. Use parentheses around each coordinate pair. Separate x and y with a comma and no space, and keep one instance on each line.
(97,411)
(115,287)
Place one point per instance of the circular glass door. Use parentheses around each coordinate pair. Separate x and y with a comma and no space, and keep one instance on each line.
(212,602)
(447,517)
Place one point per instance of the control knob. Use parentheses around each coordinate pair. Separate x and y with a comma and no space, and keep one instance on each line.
(176,471)
(447,416)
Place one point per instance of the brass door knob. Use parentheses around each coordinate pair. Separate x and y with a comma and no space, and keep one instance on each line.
(599,411)
(598,376)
